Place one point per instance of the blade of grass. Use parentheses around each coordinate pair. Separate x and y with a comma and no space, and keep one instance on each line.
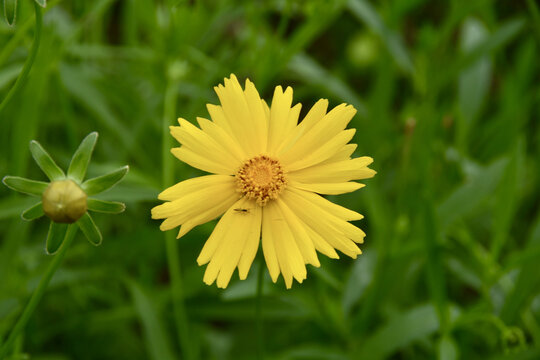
(171,244)
(364,11)
(29,61)
(155,335)
(39,292)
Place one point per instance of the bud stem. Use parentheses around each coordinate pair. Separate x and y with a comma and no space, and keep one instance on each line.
(40,290)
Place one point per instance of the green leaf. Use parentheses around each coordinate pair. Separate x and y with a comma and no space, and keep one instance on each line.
(55,238)
(314,74)
(10,11)
(525,285)
(81,158)
(8,74)
(365,12)
(447,349)
(42,3)
(413,325)
(434,265)
(33,212)
(27,186)
(499,38)
(315,352)
(154,330)
(90,230)
(45,162)
(362,273)
(82,85)
(103,206)
(469,195)
(474,81)
(101,183)
(12,206)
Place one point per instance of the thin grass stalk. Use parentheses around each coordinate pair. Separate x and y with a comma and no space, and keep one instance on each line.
(40,291)
(29,61)
(258,311)
(171,244)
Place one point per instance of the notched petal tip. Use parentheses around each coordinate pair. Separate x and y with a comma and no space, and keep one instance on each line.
(184,230)
(288,91)
(201,261)
(351,108)
(183,122)
(366,160)
(274,277)
(163,227)
(162,195)
(369,173)
(155,211)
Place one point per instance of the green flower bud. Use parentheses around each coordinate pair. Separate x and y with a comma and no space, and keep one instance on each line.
(64,201)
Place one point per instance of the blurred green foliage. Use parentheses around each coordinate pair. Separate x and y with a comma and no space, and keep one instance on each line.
(448,97)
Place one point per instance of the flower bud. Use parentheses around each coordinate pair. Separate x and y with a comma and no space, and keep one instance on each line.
(64,201)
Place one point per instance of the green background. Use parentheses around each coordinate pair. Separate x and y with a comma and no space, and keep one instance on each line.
(448,97)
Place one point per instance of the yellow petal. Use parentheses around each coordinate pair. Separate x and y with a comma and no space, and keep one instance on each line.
(254,215)
(237,113)
(301,237)
(321,245)
(328,206)
(202,144)
(186,187)
(227,250)
(195,195)
(219,118)
(343,154)
(340,171)
(215,239)
(323,152)
(268,242)
(328,188)
(334,214)
(219,135)
(289,256)
(280,123)
(335,231)
(258,115)
(328,127)
(201,162)
(210,214)
(315,114)
(214,248)
(229,244)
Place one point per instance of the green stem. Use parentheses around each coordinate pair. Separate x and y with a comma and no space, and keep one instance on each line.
(171,244)
(29,61)
(40,290)
(258,311)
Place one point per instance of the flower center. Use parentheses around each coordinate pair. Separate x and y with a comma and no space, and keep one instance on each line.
(261,178)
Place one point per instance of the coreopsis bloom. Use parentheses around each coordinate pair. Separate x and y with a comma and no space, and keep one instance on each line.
(267,174)
(67,198)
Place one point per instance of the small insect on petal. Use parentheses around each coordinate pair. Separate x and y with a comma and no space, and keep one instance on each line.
(242,211)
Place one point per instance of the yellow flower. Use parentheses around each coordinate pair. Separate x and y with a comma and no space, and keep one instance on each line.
(268,171)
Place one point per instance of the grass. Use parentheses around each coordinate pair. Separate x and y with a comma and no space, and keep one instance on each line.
(448,101)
